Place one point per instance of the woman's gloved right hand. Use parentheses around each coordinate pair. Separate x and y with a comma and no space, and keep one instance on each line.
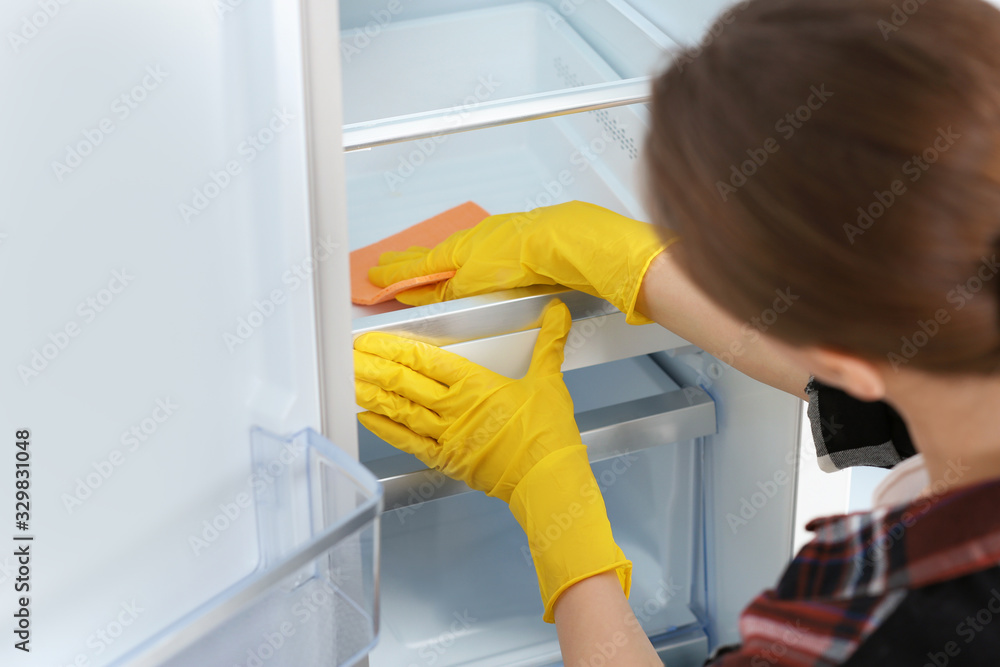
(514,439)
(578,245)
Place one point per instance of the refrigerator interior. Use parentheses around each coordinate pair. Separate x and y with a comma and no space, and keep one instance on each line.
(455,559)
(503,169)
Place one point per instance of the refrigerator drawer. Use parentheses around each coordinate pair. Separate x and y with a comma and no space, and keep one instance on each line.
(608,432)
(459,588)
(458,584)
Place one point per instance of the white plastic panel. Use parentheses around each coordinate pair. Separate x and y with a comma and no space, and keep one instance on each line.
(684,21)
(154,256)
(512,168)
(750,475)
(506,169)
(624,37)
(460,59)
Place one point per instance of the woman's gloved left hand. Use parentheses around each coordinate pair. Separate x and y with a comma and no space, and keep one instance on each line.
(515,440)
(578,245)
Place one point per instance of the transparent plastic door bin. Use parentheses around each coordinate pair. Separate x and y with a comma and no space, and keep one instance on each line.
(313,599)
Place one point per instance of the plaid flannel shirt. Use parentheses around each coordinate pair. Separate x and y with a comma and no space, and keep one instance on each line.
(916,584)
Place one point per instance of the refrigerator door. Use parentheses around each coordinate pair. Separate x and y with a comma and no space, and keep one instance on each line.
(314,598)
(159,263)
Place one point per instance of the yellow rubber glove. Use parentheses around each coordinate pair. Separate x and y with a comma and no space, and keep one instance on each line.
(513,439)
(578,245)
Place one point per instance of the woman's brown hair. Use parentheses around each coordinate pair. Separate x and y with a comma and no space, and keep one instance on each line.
(845,153)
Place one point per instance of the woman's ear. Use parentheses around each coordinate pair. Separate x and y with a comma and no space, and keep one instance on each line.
(859,377)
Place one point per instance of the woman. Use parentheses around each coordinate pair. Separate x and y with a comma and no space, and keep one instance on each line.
(845,153)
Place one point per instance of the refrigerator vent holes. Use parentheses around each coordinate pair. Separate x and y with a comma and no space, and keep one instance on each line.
(613,129)
(568,77)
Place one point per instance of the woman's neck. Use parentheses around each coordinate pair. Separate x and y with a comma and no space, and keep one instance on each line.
(954,422)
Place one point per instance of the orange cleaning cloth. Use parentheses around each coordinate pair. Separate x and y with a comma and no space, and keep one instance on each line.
(426,234)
